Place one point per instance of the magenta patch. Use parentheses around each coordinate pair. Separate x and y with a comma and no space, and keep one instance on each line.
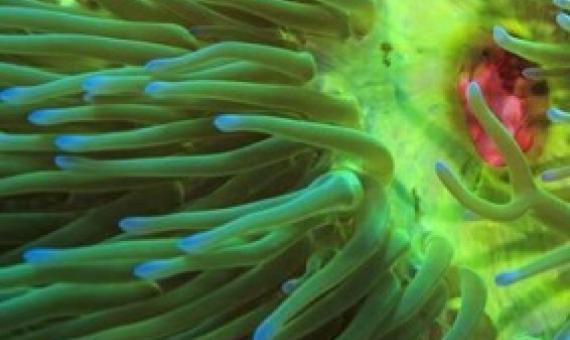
(500,79)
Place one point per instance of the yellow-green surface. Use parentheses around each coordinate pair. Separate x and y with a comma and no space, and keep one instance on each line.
(412,106)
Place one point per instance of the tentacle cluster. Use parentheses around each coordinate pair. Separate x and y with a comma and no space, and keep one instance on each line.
(173,170)
(529,195)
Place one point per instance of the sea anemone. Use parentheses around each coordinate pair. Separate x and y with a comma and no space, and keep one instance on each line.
(166,181)
(544,207)
(215,169)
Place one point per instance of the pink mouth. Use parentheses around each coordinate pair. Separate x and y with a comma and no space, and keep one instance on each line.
(504,88)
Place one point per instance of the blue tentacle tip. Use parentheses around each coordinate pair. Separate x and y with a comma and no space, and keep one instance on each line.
(153,87)
(548,176)
(226,122)
(42,116)
(473,89)
(561,3)
(506,278)
(500,35)
(440,166)
(130,224)
(38,255)
(532,73)
(557,116)
(63,162)
(562,19)
(156,64)
(264,331)
(93,83)
(193,242)
(11,94)
(150,270)
(70,142)
(289,286)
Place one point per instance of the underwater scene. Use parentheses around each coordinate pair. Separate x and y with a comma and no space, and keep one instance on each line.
(285,169)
